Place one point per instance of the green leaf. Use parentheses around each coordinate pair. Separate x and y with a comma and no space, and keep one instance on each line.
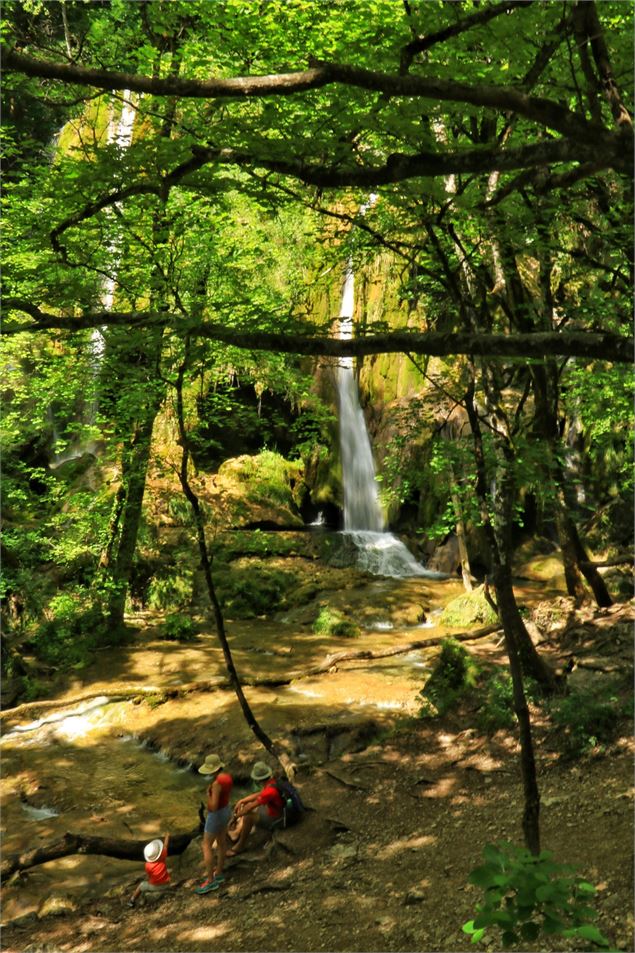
(590,932)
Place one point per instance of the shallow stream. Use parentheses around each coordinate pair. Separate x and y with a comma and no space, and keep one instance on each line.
(81,768)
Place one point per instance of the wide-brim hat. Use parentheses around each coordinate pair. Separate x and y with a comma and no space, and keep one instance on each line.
(261,771)
(211,765)
(152,851)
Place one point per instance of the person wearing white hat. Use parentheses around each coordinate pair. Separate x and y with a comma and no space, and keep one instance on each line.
(262,809)
(218,814)
(157,873)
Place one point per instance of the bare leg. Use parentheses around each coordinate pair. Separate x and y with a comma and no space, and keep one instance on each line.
(247,822)
(134,897)
(221,849)
(208,854)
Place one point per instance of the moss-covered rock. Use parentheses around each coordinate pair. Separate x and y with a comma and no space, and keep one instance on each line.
(261,490)
(538,559)
(330,621)
(469,609)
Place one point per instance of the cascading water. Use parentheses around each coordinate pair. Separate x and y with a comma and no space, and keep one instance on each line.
(378,552)
(361,499)
(119,133)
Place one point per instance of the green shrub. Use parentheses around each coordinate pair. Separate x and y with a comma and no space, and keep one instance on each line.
(170,589)
(179,628)
(588,719)
(496,698)
(77,625)
(526,896)
(454,674)
(331,622)
(250,592)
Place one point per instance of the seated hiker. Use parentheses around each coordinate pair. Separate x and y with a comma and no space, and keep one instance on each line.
(157,873)
(262,809)
(218,815)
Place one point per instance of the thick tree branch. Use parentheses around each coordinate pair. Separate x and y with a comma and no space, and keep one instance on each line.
(398,168)
(545,112)
(600,346)
(602,61)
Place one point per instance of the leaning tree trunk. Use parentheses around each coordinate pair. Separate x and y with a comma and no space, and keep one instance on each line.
(274,749)
(521,653)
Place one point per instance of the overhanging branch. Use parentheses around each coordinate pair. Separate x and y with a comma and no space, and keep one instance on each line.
(503,98)
(591,345)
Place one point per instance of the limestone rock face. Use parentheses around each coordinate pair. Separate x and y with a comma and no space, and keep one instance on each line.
(445,558)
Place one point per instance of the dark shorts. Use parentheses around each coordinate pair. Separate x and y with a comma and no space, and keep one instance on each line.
(217,820)
(265,820)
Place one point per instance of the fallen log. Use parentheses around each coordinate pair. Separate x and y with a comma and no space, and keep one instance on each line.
(364,654)
(84,844)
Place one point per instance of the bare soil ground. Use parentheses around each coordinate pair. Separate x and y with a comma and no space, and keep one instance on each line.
(381,862)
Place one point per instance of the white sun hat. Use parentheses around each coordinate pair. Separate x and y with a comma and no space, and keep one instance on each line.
(152,851)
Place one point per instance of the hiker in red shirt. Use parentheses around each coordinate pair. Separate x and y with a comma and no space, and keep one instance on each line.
(263,808)
(218,814)
(157,873)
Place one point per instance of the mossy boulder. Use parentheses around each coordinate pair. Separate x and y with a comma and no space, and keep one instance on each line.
(330,621)
(538,559)
(472,608)
(263,490)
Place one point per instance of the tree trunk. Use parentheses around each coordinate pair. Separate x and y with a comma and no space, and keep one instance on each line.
(134,472)
(84,844)
(274,749)
(464,558)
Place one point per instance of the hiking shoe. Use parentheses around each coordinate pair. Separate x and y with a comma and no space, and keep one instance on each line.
(218,880)
(206,886)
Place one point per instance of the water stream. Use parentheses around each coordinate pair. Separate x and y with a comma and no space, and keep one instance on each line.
(120,130)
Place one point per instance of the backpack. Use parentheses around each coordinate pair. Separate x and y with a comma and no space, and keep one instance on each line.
(293,808)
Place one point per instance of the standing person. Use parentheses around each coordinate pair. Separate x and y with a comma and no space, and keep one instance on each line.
(218,814)
(263,808)
(157,873)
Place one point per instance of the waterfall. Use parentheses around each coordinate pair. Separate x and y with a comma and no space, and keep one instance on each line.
(120,133)
(362,510)
(377,551)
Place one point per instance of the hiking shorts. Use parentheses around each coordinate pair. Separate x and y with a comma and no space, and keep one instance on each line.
(147,887)
(217,820)
(265,820)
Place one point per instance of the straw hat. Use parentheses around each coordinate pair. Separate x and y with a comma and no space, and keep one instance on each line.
(261,771)
(211,765)
(152,851)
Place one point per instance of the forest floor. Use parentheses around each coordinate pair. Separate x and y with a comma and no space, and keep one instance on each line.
(381,861)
